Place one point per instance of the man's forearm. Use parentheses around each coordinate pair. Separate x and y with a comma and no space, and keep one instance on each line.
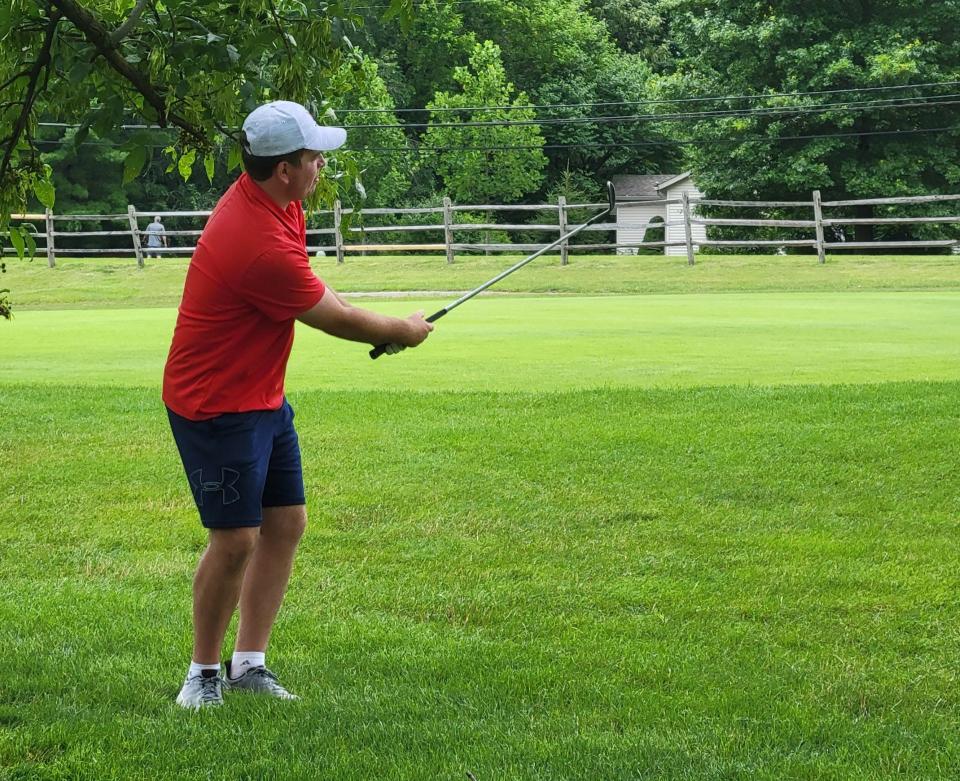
(362,325)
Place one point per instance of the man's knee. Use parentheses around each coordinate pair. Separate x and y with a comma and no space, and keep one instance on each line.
(287,523)
(233,546)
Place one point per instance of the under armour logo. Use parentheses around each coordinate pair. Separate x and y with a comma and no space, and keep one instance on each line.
(225,486)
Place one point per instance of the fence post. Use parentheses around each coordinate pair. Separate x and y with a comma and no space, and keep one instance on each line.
(562,220)
(51,253)
(687,228)
(337,238)
(135,233)
(818,219)
(448,228)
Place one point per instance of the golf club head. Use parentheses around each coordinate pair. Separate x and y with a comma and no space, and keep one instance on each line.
(612,198)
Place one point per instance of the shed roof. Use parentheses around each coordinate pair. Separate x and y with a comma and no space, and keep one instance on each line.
(645,185)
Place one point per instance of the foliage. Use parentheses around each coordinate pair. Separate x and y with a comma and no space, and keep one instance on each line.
(5,310)
(106,63)
(637,27)
(574,61)
(606,147)
(389,163)
(488,163)
(420,61)
(729,48)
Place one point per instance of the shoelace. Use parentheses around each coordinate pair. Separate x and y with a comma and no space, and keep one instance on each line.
(209,689)
(263,672)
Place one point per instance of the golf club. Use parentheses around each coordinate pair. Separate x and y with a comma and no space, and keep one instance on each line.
(610,211)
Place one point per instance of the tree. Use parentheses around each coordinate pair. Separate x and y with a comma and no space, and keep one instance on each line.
(588,142)
(867,142)
(574,61)
(197,66)
(637,26)
(418,62)
(485,163)
(390,163)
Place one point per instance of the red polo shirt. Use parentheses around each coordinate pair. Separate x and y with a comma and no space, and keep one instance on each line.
(248,280)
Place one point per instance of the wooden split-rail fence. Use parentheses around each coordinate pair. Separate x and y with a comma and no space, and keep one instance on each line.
(341,239)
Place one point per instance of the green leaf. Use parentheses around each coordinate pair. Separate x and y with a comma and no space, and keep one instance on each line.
(80,70)
(208,162)
(234,159)
(81,135)
(43,189)
(133,163)
(16,239)
(171,152)
(31,244)
(185,164)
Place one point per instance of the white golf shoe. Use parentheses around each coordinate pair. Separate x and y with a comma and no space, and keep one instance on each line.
(201,692)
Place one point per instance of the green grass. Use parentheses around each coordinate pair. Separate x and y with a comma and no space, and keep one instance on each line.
(691,536)
(101,281)
(550,344)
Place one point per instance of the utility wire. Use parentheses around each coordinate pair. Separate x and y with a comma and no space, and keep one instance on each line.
(878,105)
(590,145)
(417,5)
(657,101)
(758,109)
(682,141)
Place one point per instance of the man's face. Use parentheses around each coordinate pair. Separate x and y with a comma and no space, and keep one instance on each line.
(303,178)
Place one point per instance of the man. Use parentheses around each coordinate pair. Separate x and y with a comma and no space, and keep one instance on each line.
(248,282)
(156,237)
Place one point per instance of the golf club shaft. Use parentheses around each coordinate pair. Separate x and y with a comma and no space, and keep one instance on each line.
(521,264)
(379,350)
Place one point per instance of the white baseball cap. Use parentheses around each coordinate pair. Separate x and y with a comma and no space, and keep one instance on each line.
(282,126)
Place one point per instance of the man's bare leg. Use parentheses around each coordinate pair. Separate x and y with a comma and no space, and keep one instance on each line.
(268,572)
(217,587)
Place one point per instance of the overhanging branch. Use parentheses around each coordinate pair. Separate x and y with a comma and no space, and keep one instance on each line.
(121,32)
(42,61)
(97,35)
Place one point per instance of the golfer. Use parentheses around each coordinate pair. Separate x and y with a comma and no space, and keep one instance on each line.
(248,282)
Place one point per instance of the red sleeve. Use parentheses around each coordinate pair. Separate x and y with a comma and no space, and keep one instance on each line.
(281,284)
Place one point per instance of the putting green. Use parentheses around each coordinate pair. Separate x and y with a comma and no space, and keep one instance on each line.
(550,343)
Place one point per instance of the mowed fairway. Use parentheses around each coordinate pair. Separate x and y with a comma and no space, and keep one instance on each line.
(700,535)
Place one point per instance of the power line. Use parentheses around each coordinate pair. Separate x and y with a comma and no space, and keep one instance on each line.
(682,141)
(591,145)
(657,101)
(876,105)
(419,5)
(671,117)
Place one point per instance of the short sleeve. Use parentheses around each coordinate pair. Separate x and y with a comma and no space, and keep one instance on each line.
(281,284)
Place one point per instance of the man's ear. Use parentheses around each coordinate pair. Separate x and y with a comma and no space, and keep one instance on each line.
(283,171)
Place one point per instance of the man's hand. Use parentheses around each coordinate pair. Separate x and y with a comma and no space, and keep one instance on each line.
(419,329)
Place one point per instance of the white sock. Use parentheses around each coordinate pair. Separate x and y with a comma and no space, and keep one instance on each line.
(196,668)
(245,660)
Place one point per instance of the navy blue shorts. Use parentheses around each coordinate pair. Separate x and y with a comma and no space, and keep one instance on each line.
(240,462)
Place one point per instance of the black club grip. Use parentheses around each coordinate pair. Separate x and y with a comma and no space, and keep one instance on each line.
(380,349)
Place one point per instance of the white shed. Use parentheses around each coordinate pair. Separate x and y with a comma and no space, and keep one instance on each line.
(642,201)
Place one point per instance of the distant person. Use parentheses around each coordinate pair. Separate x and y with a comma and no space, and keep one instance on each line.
(248,282)
(156,237)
